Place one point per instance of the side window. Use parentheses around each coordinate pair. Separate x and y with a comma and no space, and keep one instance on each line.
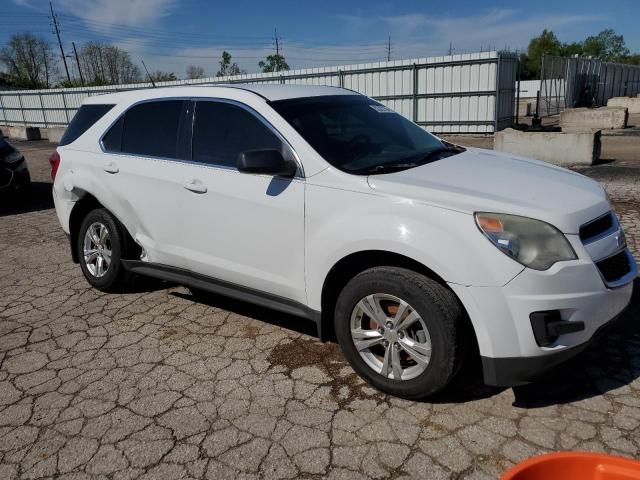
(222,130)
(112,141)
(82,121)
(151,128)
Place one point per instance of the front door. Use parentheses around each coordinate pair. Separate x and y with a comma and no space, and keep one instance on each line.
(241,228)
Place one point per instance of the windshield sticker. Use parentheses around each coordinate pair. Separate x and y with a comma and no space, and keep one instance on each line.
(381,109)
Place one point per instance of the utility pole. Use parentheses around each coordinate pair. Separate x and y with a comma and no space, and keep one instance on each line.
(450,48)
(55,26)
(389,49)
(275,30)
(78,63)
(149,75)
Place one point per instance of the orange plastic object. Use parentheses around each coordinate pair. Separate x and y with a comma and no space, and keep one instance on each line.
(575,466)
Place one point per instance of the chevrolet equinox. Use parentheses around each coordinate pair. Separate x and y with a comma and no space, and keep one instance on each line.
(325,204)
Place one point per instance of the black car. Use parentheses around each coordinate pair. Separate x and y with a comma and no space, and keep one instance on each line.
(14,175)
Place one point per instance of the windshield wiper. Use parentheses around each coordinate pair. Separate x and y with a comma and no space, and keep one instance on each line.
(380,169)
(422,158)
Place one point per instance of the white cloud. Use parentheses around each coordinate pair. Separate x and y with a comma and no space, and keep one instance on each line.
(118,12)
(497,27)
(99,14)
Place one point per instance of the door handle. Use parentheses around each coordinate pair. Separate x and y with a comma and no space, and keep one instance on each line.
(195,186)
(110,167)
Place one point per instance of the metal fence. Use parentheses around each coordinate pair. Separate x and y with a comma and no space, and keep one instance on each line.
(467,93)
(583,82)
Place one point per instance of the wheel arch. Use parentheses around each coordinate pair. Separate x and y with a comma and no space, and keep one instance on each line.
(82,207)
(80,210)
(350,265)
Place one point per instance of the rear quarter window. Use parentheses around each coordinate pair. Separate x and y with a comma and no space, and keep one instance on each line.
(83,120)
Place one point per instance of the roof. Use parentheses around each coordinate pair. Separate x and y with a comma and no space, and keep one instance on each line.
(284,91)
(271,92)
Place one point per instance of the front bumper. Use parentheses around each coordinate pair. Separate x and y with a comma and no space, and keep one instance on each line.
(14,176)
(511,372)
(501,317)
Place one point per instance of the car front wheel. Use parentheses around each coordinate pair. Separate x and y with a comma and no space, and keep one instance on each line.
(399,330)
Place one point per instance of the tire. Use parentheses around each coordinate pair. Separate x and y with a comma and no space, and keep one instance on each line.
(114,277)
(432,317)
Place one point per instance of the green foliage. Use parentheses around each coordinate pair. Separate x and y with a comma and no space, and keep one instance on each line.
(606,45)
(227,67)
(273,63)
(159,76)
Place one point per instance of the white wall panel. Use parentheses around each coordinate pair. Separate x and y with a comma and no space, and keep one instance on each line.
(453,93)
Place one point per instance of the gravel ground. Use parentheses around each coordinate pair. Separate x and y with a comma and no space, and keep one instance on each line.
(156,384)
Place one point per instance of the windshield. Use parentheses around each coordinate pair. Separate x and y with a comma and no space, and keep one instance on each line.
(359,135)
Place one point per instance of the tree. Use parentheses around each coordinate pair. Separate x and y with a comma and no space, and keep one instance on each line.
(29,61)
(194,71)
(605,46)
(227,67)
(104,64)
(159,76)
(273,63)
(546,44)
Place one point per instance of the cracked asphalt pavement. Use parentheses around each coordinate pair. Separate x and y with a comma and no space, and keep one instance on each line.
(157,384)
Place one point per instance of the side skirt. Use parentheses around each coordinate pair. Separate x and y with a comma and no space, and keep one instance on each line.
(227,289)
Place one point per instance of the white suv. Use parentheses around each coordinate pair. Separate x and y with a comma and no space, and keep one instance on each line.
(324,204)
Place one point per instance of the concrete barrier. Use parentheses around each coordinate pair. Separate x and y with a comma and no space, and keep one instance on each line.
(25,133)
(584,119)
(631,104)
(559,148)
(54,134)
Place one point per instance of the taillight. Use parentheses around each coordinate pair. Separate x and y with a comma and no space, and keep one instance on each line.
(54,160)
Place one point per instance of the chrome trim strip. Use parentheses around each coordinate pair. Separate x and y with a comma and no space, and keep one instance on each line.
(299,175)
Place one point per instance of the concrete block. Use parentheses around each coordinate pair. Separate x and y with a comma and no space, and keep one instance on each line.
(25,133)
(631,104)
(584,119)
(54,134)
(559,148)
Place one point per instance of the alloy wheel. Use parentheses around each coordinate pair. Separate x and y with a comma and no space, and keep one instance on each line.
(97,249)
(390,336)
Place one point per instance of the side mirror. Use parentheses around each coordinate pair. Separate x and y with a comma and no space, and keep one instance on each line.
(266,162)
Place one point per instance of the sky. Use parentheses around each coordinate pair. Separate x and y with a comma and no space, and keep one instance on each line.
(171,34)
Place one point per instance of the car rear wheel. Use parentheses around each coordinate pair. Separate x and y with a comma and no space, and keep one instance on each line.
(100,245)
(400,331)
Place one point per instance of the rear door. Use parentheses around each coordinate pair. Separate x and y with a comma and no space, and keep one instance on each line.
(241,228)
(144,153)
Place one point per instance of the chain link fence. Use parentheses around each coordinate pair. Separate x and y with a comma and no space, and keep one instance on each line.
(569,82)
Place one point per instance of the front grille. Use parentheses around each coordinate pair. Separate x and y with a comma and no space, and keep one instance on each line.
(596,227)
(614,267)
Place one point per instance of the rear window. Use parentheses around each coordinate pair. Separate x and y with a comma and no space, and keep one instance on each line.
(151,129)
(86,116)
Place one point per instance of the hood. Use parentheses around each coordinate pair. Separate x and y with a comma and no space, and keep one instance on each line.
(487,181)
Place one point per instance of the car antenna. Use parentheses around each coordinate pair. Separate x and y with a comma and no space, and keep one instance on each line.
(149,75)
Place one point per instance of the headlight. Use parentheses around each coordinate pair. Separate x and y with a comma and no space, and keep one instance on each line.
(13,157)
(532,243)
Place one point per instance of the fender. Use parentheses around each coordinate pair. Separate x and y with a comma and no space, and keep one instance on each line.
(434,237)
